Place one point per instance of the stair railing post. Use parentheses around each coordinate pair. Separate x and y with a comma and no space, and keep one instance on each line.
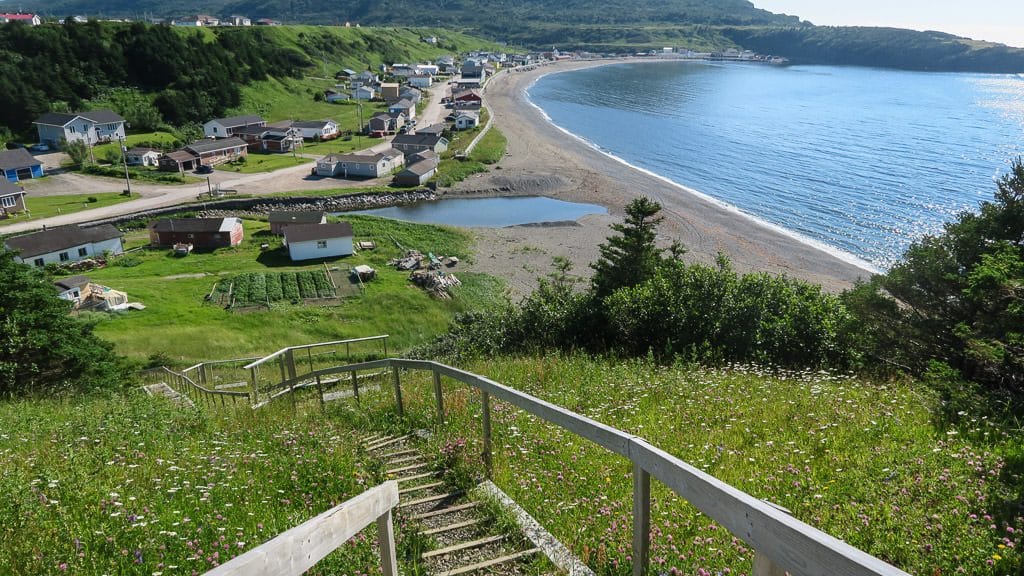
(280,364)
(255,384)
(290,361)
(398,390)
(641,519)
(438,396)
(763,566)
(355,386)
(386,543)
(485,399)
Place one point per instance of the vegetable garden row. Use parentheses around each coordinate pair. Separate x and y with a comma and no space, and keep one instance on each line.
(263,288)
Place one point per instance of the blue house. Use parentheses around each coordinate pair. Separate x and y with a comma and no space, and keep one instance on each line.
(18,165)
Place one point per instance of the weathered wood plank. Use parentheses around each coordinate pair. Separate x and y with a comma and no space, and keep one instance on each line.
(489,563)
(463,546)
(789,543)
(641,520)
(296,550)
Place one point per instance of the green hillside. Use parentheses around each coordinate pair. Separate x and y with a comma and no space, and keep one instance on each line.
(157,75)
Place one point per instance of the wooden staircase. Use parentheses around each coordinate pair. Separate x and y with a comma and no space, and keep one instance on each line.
(162,390)
(462,539)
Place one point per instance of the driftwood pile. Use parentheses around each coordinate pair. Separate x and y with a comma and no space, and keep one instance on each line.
(435,283)
(412,260)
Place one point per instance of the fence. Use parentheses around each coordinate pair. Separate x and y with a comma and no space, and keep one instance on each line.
(296,550)
(782,543)
(186,386)
(265,386)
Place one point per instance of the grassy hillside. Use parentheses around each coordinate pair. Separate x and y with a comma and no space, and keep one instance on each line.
(130,485)
(860,460)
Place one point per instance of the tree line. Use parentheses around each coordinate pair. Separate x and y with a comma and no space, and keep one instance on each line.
(182,78)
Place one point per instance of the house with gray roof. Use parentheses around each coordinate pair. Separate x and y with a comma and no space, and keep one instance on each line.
(17,165)
(317,129)
(360,165)
(411,143)
(225,127)
(65,244)
(12,198)
(92,127)
(403,106)
(417,173)
(213,152)
(313,241)
(279,220)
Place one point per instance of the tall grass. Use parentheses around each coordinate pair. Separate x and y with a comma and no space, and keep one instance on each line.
(131,485)
(860,460)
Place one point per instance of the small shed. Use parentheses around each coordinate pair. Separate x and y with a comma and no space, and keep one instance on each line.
(313,241)
(200,232)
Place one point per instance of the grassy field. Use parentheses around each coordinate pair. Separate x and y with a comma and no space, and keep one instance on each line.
(489,151)
(861,461)
(165,138)
(46,206)
(178,322)
(132,485)
(264,163)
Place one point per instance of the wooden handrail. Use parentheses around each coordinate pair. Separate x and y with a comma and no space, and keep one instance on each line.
(782,542)
(300,548)
(305,346)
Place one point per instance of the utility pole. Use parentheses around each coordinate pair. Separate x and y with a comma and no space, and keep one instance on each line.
(124,159)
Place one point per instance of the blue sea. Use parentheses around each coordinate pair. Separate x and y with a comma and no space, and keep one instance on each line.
(863,161)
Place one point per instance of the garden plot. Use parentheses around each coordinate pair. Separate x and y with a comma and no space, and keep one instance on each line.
(256,289)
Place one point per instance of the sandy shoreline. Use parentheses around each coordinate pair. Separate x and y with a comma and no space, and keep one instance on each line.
(544,160)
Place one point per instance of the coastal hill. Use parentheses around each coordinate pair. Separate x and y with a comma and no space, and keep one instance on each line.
(614,26)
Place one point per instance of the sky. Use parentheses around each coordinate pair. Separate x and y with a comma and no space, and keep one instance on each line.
(993,20)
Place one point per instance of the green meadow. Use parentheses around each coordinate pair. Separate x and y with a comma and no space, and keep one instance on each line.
(180,323)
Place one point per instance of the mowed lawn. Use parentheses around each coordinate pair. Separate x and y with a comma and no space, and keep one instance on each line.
(46,206)
(179,323)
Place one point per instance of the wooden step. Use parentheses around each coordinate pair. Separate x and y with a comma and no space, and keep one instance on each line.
(420,487)
(448,510)
(451,527)
(489,563)
(407,468)
(386,443)
(428,499)
(464,546)
(371,439)
(401,453)
(416,477)
(404,460)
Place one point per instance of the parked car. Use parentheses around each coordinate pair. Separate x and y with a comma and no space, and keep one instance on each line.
(39,147)
(204,169)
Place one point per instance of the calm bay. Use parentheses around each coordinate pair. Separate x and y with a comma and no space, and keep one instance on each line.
(861,160)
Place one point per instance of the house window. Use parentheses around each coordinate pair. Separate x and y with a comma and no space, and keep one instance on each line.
(214,129)
(38,262)
(8,201)
(321,243)
(71,129)
(111,127)
(64,257)
(83,252)
(191,236)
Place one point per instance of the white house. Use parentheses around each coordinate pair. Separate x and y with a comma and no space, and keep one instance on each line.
(30,19)
(317,129)
(421,81)
(364,93)
(142,156)
(91,127)
(225,127)
(466,120)
(360,165)
(65,244)
(313,241)
(431,69)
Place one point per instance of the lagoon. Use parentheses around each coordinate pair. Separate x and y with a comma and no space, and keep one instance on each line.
(488,212)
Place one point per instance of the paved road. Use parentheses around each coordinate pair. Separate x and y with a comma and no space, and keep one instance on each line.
(152,196)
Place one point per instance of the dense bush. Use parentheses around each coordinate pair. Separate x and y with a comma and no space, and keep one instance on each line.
(644,301)
(45,350)
(956,299)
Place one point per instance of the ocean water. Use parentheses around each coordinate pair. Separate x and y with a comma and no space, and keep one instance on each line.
(863,161)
